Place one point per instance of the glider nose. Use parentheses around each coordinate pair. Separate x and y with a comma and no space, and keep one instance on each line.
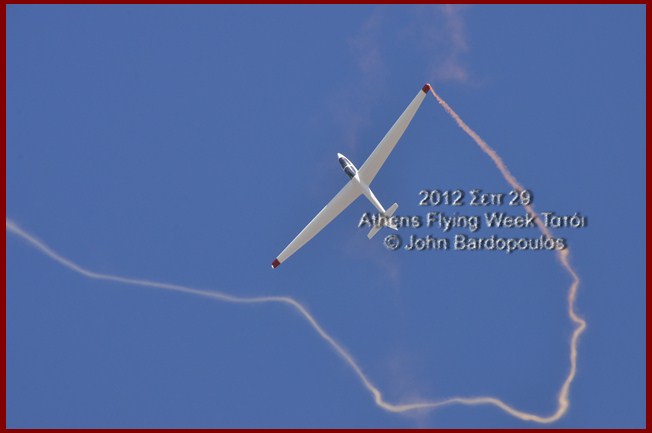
(339,155)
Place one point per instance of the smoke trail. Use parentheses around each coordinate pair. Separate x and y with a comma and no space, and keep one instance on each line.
(337,347)
(563,256)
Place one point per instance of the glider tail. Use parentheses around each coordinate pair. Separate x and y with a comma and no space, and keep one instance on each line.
(386,223)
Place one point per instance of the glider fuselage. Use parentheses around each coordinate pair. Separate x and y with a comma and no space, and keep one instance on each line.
(352,172)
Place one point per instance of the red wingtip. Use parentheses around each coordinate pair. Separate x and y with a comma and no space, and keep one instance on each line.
(426,88)
(275,263)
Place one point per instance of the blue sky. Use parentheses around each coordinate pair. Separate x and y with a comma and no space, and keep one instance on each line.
(190,144)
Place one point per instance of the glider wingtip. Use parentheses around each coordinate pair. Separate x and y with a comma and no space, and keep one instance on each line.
(426,88)
(275,263)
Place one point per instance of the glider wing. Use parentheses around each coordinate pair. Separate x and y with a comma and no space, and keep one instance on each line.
(341,201)
(377,158)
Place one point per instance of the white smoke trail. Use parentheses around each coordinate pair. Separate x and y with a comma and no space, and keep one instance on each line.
(563,256)
(12,227)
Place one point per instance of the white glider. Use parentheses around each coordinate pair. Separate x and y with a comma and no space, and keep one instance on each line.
(359,181)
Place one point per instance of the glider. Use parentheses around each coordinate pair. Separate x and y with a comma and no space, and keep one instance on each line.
(359,181)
